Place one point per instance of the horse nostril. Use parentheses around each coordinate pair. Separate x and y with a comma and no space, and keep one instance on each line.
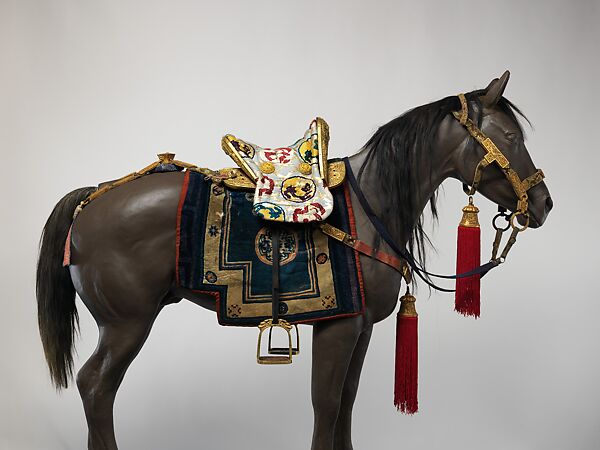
(549,204)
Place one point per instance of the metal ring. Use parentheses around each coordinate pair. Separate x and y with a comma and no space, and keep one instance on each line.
(506,217)
(513,222)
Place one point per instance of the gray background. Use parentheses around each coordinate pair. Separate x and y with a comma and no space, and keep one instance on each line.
(92,90)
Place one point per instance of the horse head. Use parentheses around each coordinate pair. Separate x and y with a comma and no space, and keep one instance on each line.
(497,119)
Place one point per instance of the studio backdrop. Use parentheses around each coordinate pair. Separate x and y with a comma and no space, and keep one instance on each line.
(93,90)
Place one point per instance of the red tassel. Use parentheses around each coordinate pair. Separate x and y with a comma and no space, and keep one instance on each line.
(67,252)
(468,257)
(407,356)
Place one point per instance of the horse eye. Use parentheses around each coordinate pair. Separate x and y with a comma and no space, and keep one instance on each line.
(512,137)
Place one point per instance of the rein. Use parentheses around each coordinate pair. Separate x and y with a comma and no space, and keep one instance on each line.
(492,155)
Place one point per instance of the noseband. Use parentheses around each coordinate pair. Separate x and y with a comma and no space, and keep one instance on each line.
(521,187)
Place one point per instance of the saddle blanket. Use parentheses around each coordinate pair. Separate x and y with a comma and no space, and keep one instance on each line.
(224,250)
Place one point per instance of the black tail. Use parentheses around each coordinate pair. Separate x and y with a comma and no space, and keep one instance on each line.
(57,316)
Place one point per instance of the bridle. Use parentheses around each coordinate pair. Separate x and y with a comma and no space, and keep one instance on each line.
(521,187)
(492,155)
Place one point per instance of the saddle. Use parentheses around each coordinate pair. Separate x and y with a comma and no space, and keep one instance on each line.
(291,184)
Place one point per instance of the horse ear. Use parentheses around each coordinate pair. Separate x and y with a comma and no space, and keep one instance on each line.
(494,91)
(489,86)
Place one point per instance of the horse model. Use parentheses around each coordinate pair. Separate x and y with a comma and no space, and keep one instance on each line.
(123,262)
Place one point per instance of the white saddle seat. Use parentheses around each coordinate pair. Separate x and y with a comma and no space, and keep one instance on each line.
(291,182)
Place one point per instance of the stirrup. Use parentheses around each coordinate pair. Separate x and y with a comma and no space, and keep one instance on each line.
(286,354)
(284,350)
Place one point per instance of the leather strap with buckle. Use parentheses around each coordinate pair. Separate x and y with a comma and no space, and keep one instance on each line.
(363,248)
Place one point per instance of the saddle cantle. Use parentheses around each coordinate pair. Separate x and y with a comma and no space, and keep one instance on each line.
(291,184)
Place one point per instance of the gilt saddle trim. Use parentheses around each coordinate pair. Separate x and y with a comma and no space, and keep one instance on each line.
(234,178)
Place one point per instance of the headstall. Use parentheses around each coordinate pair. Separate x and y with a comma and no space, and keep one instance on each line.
(521,187)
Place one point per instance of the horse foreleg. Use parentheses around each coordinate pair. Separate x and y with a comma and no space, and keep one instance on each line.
(343,427)
(100,377)
(333,345)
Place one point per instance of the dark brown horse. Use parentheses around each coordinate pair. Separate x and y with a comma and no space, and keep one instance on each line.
(123,256)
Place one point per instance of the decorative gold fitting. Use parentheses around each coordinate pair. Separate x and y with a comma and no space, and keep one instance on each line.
(267,167)
(274,359)
(464,109)
(228,147)
(334,232)
(305,168)
(469,218)
(323,144)
(407,305)
(494,154)
(406,273)
(523,204)
(166,158)
(336,173)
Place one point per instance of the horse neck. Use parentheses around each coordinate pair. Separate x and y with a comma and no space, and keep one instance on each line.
(431,174)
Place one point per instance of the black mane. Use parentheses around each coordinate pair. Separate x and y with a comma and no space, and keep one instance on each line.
(395,148)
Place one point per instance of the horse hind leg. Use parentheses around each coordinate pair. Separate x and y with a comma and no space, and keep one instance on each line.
(100,377)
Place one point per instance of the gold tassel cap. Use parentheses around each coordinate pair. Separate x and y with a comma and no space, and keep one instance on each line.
(469,218)
(407,305)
